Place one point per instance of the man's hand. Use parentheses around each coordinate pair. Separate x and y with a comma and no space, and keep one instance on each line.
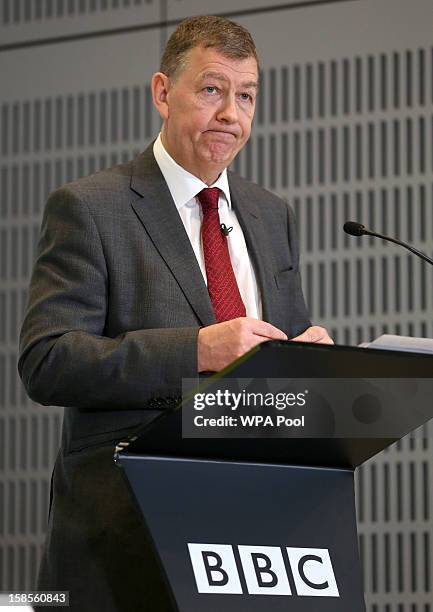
(314,334)
(222,343)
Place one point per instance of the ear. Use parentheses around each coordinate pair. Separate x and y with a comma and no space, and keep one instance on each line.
(159,93)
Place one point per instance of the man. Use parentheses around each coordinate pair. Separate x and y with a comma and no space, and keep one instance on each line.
(136,286)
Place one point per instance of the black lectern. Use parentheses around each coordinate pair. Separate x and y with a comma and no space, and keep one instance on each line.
(253,524)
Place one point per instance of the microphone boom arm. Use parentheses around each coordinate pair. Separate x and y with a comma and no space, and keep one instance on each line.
(403,244)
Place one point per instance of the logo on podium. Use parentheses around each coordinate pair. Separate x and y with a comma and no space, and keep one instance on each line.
(263,568)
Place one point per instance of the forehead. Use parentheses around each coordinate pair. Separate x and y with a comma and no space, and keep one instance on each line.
(201,61)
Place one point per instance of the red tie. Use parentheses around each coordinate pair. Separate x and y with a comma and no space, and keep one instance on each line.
(221,281)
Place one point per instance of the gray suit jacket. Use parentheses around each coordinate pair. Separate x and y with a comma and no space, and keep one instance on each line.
(115,305)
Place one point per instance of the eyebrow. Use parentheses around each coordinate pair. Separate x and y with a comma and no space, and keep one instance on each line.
(221,77)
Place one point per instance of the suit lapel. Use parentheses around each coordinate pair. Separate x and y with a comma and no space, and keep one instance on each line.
(160,218)
(250,215)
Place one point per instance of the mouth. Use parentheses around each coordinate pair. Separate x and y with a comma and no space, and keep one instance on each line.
(222,134)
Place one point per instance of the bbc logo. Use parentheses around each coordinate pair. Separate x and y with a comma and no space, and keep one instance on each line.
(263,567)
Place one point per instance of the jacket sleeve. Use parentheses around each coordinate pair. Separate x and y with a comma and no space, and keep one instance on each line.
(65,358)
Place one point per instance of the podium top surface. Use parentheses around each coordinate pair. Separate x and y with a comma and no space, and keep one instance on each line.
(284,359)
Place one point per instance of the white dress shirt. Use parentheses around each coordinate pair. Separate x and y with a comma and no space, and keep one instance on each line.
(184,188)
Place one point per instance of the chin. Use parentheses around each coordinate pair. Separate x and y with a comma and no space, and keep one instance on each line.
(220,160)
(220,156)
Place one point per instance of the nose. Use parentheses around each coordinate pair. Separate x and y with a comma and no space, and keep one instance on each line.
(228,112)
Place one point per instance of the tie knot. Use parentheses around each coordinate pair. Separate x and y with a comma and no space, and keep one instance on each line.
(208,198)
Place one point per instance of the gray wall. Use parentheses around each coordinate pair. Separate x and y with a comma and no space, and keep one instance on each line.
(344,130)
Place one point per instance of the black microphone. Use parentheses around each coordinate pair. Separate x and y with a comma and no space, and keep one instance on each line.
(353,228)
(225,230)
(357,229)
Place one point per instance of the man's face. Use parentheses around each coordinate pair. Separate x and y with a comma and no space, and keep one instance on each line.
(209,110)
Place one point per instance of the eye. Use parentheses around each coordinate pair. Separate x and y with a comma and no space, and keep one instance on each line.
(210,89)
(246,97)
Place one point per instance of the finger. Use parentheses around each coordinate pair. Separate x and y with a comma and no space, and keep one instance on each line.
(315,334)
(304,337)
(267,330)
(327,340)
(320,334)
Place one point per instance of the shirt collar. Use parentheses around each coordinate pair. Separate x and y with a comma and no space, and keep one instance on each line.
(183,185)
